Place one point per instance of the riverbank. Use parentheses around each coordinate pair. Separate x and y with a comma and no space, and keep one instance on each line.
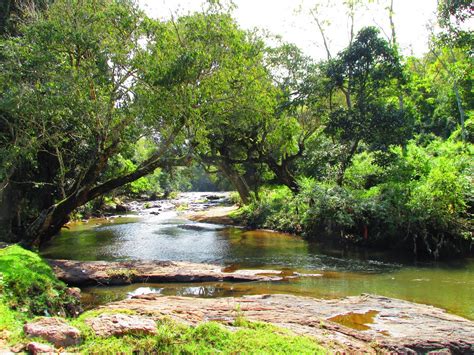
(29,289)
(269,323)
(227,258)
(366,323)
(160,230)
(151,322)
(350,217)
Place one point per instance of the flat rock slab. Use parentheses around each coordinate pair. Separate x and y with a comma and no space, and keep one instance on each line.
(83,273)
(119,324)
(218,215)
(365,323)
(54,330)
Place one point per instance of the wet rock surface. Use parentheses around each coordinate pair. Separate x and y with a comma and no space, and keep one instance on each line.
(365,323)
(78,273)
(54,330)
(120,324)
(190,202)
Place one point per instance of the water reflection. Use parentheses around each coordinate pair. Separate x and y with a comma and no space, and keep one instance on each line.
(345,271)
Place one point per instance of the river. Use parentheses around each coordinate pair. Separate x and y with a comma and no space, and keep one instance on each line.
(159,231)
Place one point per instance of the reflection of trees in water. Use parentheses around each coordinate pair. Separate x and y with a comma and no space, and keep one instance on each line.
(201,291)
(219,290)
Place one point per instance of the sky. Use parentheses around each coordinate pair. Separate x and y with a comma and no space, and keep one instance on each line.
(291,20)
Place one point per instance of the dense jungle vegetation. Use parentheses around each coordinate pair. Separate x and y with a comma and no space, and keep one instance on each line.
(367,146)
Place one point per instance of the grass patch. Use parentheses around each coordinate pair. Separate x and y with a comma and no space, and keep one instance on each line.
(207,338)
(11,323)
(28,285)
(182,207)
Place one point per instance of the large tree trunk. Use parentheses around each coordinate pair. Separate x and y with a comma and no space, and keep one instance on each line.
(284,175)
(236,180)
(51,219)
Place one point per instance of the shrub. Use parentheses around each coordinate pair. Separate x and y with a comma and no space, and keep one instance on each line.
(421,201)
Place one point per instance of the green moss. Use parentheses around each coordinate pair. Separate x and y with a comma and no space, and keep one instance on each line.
(97,312)
(28,285)
(182,207)
(10,321)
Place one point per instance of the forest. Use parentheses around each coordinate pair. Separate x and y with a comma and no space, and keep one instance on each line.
(321,166)
(368,145)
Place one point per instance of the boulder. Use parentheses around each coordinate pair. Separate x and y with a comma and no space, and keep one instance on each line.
(53,330)
(38,348)
(119,324)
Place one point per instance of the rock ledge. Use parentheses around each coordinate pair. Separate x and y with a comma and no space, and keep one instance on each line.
(83,273)
(365,323)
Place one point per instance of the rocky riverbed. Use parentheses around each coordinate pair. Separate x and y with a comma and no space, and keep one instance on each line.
(356,324)
(366,323)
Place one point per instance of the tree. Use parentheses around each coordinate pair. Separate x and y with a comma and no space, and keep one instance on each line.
(78,88)
(234,103)
(440,85)
(459,10)
(67,99)
(451,16)
(302,106)
(13,12)
(364,73)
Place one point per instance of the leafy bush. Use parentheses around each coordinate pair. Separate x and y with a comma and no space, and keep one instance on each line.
(422,201)
(276,209)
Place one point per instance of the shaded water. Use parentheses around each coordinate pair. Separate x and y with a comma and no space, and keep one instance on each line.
(167,236)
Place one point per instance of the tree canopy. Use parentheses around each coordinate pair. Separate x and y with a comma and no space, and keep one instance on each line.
(97,97)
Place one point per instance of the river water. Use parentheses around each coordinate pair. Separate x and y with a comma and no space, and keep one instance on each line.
(159,232)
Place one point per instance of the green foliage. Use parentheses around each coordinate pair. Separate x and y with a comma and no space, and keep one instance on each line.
(10,320)
(14,12)
(28,285)
(433,79)
(268,210)
(368,73)
(422,201)
(461,10)
(364,172)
